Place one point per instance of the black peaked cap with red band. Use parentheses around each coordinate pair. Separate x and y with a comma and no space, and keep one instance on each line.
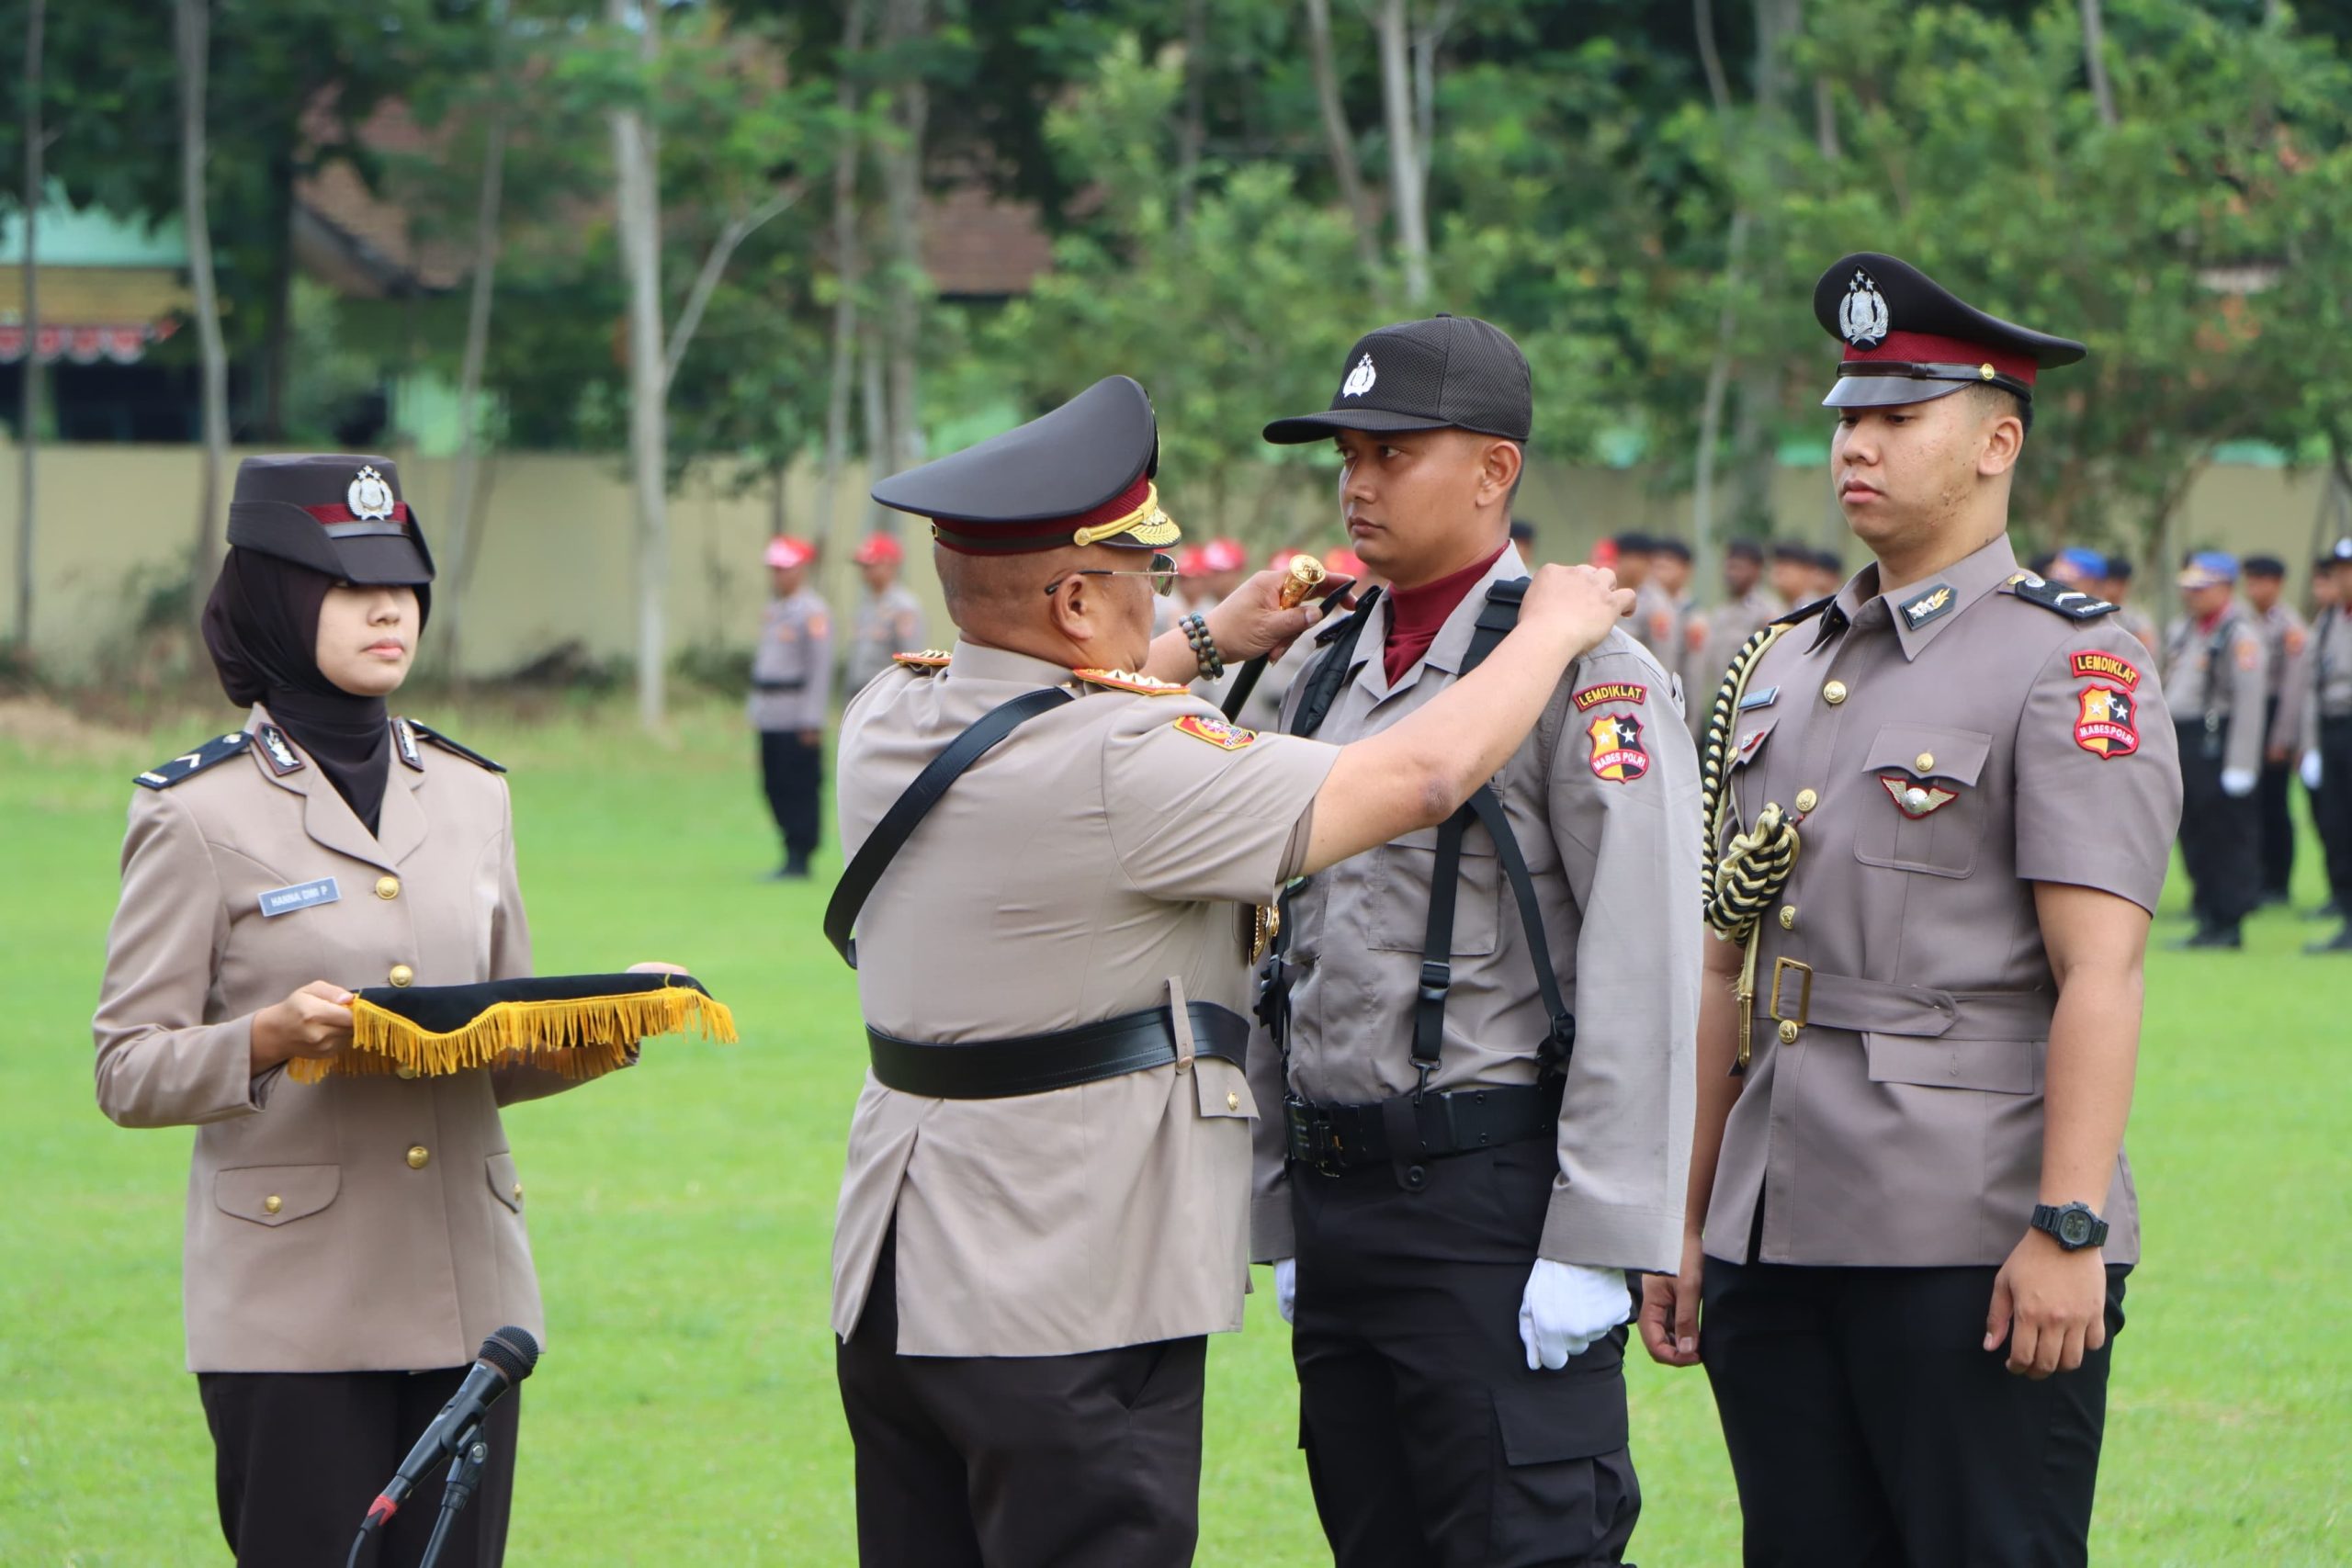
(1909,338)
(333,511)
(1080,475)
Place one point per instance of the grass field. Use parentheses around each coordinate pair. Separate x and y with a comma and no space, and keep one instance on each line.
(685,1413)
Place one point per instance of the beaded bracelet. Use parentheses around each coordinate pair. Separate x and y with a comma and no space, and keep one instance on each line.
(1203,646)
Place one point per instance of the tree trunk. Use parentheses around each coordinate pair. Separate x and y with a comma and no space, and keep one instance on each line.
(873,405)
(905,21)
(2094,60)
(1191,132)
(635,155)
(29,394)
(849,265)
(464,482)
(1406,186)
(278,331)
(1825,122)
(1428,40)
(1337,138)
(1704,522)
(193,28)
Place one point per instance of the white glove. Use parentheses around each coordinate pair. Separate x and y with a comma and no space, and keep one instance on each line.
(2238,782)
(2310,769)
(1566,1307)
(1286,1287)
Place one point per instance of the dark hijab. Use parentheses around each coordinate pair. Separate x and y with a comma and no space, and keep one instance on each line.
(261,626)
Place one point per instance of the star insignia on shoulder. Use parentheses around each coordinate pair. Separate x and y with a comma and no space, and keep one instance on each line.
(1126,680)
(187,764)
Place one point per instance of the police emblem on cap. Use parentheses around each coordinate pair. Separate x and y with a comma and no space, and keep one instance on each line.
(1862,318)
(369,497)
(1360,380)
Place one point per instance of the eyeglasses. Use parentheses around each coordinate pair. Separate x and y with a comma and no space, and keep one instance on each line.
(1162,575)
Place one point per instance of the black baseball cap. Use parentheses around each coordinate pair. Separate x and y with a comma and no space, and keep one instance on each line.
(2119,568)
(1667,547)
(2264,565)
(1448,372)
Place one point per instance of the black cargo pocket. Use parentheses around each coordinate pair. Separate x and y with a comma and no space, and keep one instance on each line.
(1922,809)
(1566,1488)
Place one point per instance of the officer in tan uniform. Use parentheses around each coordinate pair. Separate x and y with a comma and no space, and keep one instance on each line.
(890,619)
(1481,1033)
(1943,802)
(2113,586)
(349,1242)
(1746,610)
(2213,683)
(2326,739)
(792,692)
(2286,683)
(1053,874)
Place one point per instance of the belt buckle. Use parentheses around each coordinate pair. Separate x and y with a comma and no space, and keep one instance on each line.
(1780,966)
(1317,1145)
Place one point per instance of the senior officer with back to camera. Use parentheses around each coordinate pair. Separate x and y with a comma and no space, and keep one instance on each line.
(1951,788)
(1046,1198)
(1481,1033)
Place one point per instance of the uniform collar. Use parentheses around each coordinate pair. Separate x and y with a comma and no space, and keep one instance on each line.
(1920,611)
(400,823)
(972,661)
(1451,643)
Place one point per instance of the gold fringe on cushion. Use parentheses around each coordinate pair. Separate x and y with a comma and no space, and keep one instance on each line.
(580,1039)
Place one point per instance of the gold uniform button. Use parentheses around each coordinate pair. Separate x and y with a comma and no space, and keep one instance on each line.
(1834,693)
(404,1072)
(1233,1103)
(1788,1031)
(419,1157)
(1808,799)
(272,1204)
(518,1192)
(1925,762)
(1788,917)
(387,888)
(401,974)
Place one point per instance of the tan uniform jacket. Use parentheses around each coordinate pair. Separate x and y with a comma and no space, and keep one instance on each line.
(2285,671)
(792,669)
(2217,672)
(1658,624)
(1098,861)
(2330,673)
(888,622)
(1903,1125)
(1729,625)
(1603,798)
(361,1224)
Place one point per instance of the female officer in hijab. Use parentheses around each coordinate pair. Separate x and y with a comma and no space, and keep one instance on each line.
(350,1241)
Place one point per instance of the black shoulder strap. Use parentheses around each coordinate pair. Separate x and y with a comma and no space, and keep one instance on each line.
(874,856)
(1328,674)
(1495,618)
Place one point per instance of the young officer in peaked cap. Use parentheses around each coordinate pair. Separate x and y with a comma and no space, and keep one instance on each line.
(1941,802)
(350,1240)
(2286,686)
(792,688)
(2213,679)
(1056,853)
(1481,1034)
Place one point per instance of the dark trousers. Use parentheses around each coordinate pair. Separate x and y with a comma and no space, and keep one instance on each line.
(1867,1427)
(299,1456)
(1038,1461)
(1428,1443)
(2275,823)
(2220,838)
(792,771)
(2332,807)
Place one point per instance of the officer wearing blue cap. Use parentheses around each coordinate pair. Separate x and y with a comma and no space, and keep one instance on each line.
(2213,677)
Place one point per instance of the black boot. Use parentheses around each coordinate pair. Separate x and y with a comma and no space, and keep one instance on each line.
(2333,910)
(796,866)
(2224,937)
(2340,942)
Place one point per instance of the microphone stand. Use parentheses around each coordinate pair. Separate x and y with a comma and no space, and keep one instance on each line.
(465,1474)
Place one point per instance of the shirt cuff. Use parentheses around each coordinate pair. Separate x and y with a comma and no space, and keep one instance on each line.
(1271,1236)
(1611,1235)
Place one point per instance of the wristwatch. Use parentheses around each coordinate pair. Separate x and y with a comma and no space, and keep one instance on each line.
(2074,1227)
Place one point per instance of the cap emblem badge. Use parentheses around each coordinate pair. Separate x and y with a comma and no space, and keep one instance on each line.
(369,497)
(1360,380)
(1862,318)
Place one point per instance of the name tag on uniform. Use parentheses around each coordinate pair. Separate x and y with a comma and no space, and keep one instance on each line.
(301,895)
(1762,699)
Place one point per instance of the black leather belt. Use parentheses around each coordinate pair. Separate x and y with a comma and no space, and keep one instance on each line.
(1332,1138)
(1001,1070)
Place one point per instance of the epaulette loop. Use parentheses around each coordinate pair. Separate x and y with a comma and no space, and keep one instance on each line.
(187,764)
(1126,680)
(923,663)
(468,752)
(2069,602)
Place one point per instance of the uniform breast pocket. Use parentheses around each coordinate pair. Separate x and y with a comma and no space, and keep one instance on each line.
(276,1194)
(1403,872)
(1923,809)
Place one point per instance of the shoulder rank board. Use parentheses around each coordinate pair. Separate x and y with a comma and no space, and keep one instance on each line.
(2068,602)
(187,764)
(468,753)
(929,661)
(1123,680)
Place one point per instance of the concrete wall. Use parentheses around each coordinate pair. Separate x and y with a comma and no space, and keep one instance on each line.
(556,557)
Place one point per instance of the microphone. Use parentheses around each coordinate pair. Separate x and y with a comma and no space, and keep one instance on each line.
(505,1358)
